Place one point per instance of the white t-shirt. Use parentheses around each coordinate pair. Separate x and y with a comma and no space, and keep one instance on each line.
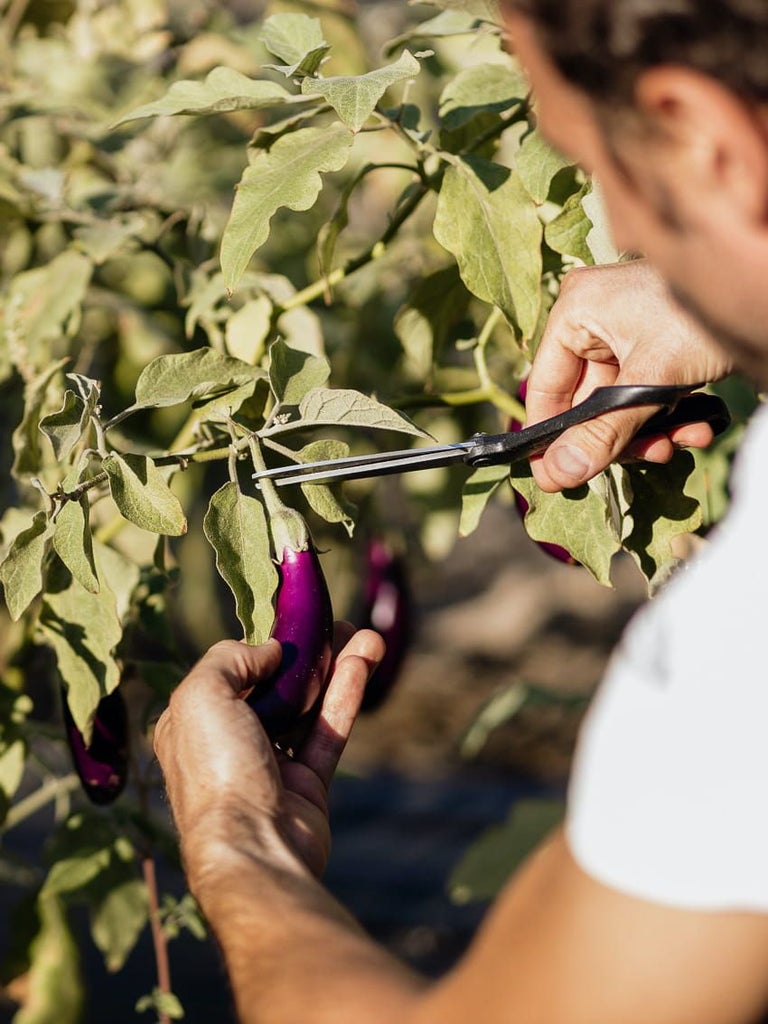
(669,794)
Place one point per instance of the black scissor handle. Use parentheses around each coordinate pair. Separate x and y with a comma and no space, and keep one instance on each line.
(680,407)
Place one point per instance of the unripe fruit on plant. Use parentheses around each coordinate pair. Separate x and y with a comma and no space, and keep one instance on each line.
(553,550)
(387,608)
(102,766)
(288,701)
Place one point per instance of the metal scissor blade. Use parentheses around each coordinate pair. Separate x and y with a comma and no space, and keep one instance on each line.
(357,467)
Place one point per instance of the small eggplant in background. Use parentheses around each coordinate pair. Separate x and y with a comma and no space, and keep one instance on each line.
(288,701)
(553,550)
(386,607)
(102,766)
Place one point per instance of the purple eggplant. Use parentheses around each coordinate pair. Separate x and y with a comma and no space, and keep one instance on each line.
(553,550)
(387,608)
(288,701)
(102,766)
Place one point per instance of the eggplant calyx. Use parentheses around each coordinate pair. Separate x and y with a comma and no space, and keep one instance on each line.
(289,532)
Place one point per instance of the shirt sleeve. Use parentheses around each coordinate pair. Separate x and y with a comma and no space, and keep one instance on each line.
(667,798)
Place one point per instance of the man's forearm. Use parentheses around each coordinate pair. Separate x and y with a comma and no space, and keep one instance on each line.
(291,950)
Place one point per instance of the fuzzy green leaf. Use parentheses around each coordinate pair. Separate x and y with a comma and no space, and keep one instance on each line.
(346,408)
(354,97)
(26,437)
(170,380)
(286,176)
(83,629)
(236,527)
(118,920)
(478,92)
(431,311)
(141,492)
(660,511)
(537,164)
(65,427)
(491,859)
(568,232)
(320,497)
(54,984)
(21,573)
(487,220)
(73,543)
(292,373)
(477,492)
(442,26)
(579,520)
(223,90)
(297,40)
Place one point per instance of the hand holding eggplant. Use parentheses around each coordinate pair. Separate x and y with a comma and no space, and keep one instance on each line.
(228,790)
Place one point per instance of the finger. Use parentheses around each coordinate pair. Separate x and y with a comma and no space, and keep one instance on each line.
(354,667)
(235,664)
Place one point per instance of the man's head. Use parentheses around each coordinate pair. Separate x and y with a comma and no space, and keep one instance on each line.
(666,101)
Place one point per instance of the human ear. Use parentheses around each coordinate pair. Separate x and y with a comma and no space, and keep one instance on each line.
(717,142)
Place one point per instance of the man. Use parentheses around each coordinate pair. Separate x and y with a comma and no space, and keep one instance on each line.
(652,904)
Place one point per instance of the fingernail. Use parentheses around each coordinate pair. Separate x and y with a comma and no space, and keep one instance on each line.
(571,462)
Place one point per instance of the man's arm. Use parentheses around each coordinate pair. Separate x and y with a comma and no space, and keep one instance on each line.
(557,948)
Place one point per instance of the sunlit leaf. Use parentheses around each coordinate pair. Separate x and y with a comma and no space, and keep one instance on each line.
(21,573)
(54,984)
(236,527)
(537,164)
(118,920)
(73,543)
(448,23)
(487,220)
(344,407)
(26,437)
(172,379)
(424,324)
(477,492)
(223,90)
(354,98)
(568,232)
(297,40)
(165,1004)
(292,373)
(141,492)
(322,500)
(65,427)
(473,100)
(286,176)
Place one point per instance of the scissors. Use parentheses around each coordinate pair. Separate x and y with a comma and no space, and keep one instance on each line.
(679,406)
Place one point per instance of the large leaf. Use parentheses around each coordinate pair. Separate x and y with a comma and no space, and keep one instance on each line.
(236,527)
(54,985)
(567,233)
(286,176)
(21,573)
(430,314)
(83,629)
(26,437)
(491,859)
(170,380)
(487,220)
(354,98)
(73,543)
(660,511)
(579,520)
(477,492)
(223,90)
(345,408)
(297,40)
(292,373)
(481,91)
(141,492)
(537,164)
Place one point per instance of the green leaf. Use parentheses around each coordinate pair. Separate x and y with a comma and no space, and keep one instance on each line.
(222,90)
(491,860)
(487,220)
(537,164)
(345,408)
(443,25)
(579,520)
(477,492)
(170,380)
(163,1003)
(118,920)
(109,238)
(73,873)
(567,233)
(141,493)
(73,543)
(286,176)
(320,497)
(21,573)
(480,92)
(55,990)
(292,373)
(83,629)
(236,527)
(354,97)
(660,511)
(65,427)
(119,573)
(297,40)
(26,437)
(425,323)
(43,302)
(246,331)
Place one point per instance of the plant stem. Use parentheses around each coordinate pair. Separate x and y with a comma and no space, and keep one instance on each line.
(159,940)
(45,794)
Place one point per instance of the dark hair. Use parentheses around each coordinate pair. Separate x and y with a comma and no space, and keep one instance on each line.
(603,45)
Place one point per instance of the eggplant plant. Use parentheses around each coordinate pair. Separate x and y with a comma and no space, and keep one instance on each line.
(230,239)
